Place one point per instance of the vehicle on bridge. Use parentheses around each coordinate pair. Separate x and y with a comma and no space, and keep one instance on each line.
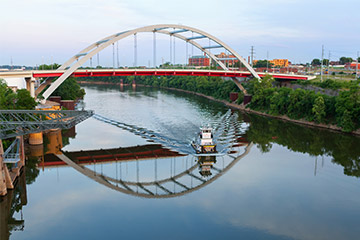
(205,143)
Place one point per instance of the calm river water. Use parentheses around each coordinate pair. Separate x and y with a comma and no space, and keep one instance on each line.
(272,180)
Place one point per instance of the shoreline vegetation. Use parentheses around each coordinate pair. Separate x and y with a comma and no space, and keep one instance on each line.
(319,114)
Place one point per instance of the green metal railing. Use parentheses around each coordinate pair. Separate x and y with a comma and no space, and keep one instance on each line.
(21,122)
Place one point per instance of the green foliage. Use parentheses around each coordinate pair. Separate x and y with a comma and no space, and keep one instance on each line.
(279,102)
(263,63)
(49,67)
(344,60)
(69,90)
(316,62)
(348,109)
(24,100)
(240,99)
(11,100)
(319,109)
(7,96)
(325,62)
(330,84)
(343,110)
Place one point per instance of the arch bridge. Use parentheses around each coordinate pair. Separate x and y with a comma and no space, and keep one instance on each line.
(71,66)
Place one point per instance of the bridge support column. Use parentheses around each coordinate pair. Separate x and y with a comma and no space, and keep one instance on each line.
(28,80)
(3,188)
(32,87)
(35,138)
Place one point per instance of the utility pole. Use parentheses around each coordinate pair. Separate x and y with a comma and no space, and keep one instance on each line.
(322,62)
(267,61)
(328,69)
(135,50)
(357,65)
(252,55)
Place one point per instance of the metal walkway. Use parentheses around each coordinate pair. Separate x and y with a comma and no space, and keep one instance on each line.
(21,122)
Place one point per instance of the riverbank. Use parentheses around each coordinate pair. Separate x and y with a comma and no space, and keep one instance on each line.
(242,108)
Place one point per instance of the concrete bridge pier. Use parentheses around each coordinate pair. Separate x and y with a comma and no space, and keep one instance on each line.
(30,85)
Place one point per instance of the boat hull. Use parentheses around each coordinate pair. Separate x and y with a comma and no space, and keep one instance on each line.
(204,148)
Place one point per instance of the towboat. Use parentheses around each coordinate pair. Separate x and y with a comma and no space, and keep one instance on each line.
(204,143)
(206,164)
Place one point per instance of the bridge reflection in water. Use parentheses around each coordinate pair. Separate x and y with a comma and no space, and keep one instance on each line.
(191,176)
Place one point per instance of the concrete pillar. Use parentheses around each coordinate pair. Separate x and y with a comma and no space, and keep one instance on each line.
(247,99)
(55,142)
(3,189)
(9,182)
(32,87)
(21,151)
(35,138)
(28,80)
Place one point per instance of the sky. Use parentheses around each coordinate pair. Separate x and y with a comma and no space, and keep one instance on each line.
(41,31)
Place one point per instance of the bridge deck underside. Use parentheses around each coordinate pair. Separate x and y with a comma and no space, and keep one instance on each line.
(110,155)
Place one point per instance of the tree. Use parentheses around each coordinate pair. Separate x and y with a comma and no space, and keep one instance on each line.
(316,62)
(24,101)
(325,62)
(344,60)
(69,90)
(319,109)
(7,96)
(49,67)
(263,63)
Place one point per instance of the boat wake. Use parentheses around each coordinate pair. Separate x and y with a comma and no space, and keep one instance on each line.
(227,132)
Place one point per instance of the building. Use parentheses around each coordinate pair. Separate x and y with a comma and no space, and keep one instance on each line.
(228,60)
(199,61)
(352,65)
(280,62)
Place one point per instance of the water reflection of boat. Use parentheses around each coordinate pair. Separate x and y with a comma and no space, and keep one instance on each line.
(205,143)
(206,164)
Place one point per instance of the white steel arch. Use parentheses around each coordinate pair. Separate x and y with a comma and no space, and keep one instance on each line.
(84,55)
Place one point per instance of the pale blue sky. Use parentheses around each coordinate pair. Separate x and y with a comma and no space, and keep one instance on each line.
(36,31)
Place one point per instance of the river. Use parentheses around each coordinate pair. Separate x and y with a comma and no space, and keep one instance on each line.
(271,180)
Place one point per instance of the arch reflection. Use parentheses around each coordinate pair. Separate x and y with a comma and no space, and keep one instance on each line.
(159,188)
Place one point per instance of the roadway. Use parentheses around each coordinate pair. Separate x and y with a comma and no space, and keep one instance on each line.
(145,72)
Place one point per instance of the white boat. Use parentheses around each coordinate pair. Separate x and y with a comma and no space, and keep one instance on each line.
(205,143)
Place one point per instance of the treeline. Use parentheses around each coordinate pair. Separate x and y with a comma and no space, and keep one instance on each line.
(343,110)
(211,86)
(330,84)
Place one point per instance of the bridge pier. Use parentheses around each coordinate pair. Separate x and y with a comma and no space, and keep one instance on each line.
(3,185)
(30,85)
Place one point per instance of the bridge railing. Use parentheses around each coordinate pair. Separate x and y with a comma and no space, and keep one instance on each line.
(20,122)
